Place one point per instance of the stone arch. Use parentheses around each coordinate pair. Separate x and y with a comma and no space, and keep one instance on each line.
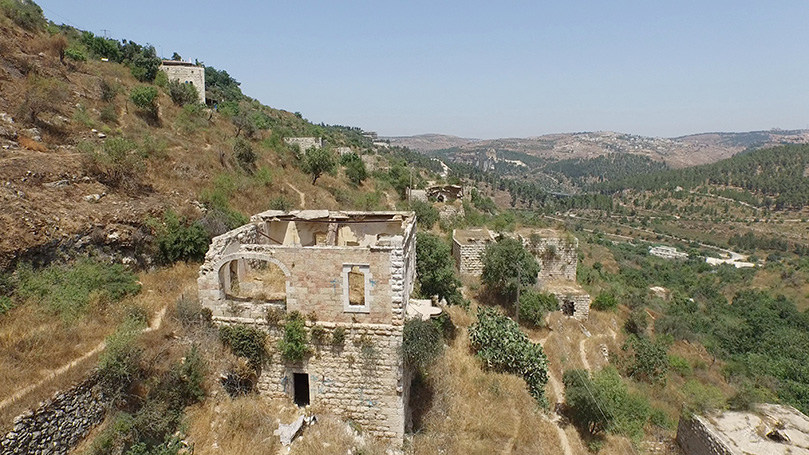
(251,276)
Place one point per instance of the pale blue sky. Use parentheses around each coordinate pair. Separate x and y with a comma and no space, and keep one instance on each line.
(491,69)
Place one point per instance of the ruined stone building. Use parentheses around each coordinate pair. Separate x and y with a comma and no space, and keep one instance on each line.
(769,429)
(305,143)
(555,251)
(187,73)
(350,272)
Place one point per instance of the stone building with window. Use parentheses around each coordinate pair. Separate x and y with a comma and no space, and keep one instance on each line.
(348,273)
(186,73)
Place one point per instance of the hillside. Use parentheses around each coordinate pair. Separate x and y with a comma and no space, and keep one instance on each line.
(675,152)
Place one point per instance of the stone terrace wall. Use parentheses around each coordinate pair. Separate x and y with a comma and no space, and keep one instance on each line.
(581,303)
(696,439)
(468,258)
(58,424)
(362,380)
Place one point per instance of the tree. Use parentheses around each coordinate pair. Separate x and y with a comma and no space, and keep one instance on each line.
(421,343)
(355,169)
(505,261)
(435,269)
(245,155)
(647,359)
(318,161)
(176,57)
(535,305)
(426,214)
(181,93)
(144,97)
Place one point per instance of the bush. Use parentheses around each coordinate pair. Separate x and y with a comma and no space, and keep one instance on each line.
(702,397)
(68,289)
(42,94)
(75,55)
(109,90)
(356,172)
(109,114)
(602,403)
(24,13)
(647,359)
(504,262)
(605,302)
(190,313)
(182,94)
(5,304)
(118,164)
(426,214)
(421,344)
(294,344)
(181,240)
(244,154)
(119,363)
(637,322)
(535,305)
(245,342)
(144,97)
(435,269)
(502,346)
(338,336)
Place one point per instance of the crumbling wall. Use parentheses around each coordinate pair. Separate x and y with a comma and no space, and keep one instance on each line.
(557,257)
(361,379)
(580,302)
(695,438)
(304,143)
(468,258)
(59,423)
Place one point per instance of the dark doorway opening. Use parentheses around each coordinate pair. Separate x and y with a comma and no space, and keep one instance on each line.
(301,384)
(568,308)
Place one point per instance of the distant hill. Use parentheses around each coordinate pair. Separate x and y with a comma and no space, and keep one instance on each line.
(677,152)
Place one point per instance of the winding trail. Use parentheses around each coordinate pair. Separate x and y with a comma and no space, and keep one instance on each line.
(558,395)
(583,352)
(300,194)
(153,325)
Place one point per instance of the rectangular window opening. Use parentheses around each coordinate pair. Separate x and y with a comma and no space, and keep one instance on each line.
(356,287)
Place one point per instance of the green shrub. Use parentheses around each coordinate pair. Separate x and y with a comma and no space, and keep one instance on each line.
(182,94)
(700,397)
(605,302)
(647,359)
(244,154)
(502,346)
(504,262)
(144,64)
(435,269)
(680,365)
(5,304)
(318,334)
(68,288)
(338,336)
(75,55)
(161,79)
(24,13)
(421,344)
(245,342)
(144,97)
(117,164)
(191,119)
(356,171)
(426,214)
(190,313)
(119,363)
(280,203)
(637,322)
(602,403)
(181,240)
(535,305)
(293,345)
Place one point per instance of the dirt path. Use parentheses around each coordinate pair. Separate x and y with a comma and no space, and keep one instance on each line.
(153,325)
(300,194)
(556,390)
(583,351)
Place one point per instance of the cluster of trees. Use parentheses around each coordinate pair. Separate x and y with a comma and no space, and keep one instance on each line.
(613,166)
(143,61)
(776,172)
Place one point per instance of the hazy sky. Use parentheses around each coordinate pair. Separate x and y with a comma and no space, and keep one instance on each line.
(489,69)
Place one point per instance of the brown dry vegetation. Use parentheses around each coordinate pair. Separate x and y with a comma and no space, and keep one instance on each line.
(34,343)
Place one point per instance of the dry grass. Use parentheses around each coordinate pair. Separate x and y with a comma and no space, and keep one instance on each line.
(475,411)
(34,343)
(243,425)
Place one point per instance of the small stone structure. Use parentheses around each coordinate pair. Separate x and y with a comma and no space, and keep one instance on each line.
(468,246)
(556,252)
(354,271)
(573,299)
(342,151)
(305,143)
(667,252)
(59,423)
(445,193)
(769,430)
(187,73)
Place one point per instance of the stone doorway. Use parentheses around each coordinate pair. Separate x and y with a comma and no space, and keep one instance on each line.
(301,388)
(568,308)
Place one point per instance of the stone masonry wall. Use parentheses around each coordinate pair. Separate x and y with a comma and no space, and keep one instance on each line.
(557,257)
(361,379)
(696,439)
(581,303)
(192,74)
(468,258)
(58,424)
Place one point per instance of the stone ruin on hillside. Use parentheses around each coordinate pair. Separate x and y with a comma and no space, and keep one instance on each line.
(769,429)
(355,271)
(556,252)
(186,73)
